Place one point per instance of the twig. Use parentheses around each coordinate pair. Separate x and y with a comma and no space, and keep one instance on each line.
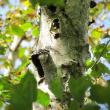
(18,44)
(13,51)
(100,54)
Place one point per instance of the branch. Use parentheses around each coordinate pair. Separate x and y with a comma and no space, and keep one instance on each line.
(18,44)
(13,50)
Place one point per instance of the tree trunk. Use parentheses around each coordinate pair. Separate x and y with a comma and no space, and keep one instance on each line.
(62,49)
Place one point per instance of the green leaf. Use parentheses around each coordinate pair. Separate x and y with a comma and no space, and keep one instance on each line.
(21,52)
(91,106)
(96,34)
(95,73)
(97,10)
(56,87)
(35,32)
(102,68)
(2,36)
(16,30)
(24,93)
(89,63)
(100,94)
(99,49)
(8,107)
(5,87)
(6,38)
(43,98)
(1,86)
(25,62)
(1,104)
(5,84)
(108,6)
(78,87)
(74,105)
(107,57)
(47,2)
(99,69)
(26,26)
(2,50)
(33,2)
(30,10)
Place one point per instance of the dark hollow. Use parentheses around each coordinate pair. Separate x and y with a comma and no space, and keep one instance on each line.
(91,22)
(37,64)
(92,4)
(56,24)
(52,8)
(57,35)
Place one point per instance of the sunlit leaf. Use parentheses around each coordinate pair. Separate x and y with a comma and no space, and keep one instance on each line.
(26,26)
(21,52)
(42,98)
(29,11)
(35,32)
(97,10)
(89,63)
(5,87)
(108,6)
(1,36)
(22,66)
(26,3)
(97,35)
(8,39)
(16,30)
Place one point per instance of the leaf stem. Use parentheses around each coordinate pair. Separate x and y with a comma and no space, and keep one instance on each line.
(100,54)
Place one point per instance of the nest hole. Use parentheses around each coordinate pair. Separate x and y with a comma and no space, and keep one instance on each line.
(57,35)
(52,8)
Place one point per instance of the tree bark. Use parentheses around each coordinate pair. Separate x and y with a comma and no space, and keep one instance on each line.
(62,43)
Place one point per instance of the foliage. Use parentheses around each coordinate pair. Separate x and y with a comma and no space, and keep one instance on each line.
(18,31)
(78,92)
(23,94)
(100,94)
(47,2)
(43,98)
(18,87)
(56,86)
